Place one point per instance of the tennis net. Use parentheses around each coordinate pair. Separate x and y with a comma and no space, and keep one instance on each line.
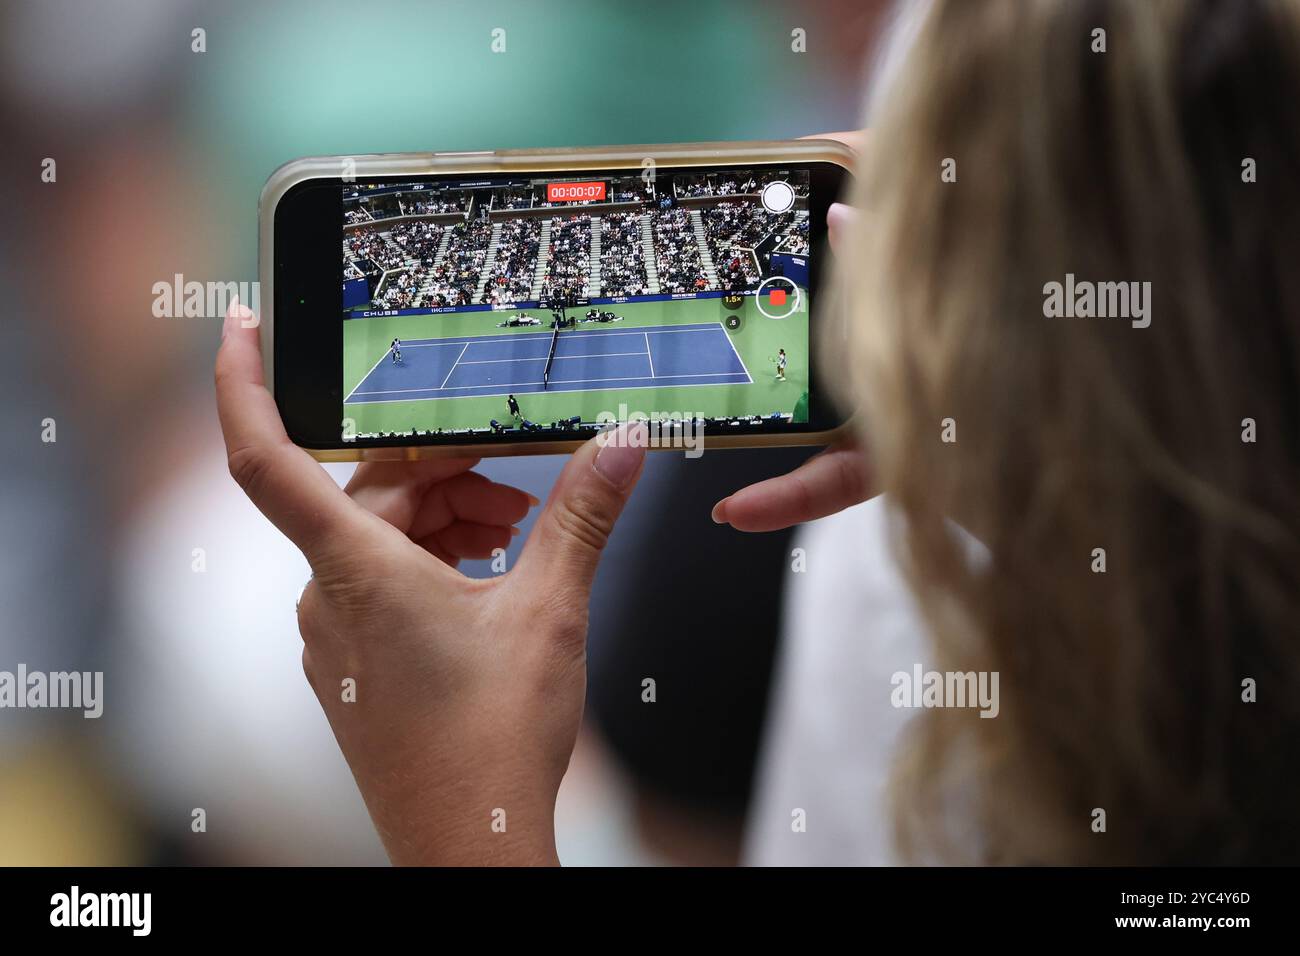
(550,358)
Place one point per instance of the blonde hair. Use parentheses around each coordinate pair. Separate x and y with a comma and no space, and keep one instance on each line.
(1123,690)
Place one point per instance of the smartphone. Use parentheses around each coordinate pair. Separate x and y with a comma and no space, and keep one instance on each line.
(516,302)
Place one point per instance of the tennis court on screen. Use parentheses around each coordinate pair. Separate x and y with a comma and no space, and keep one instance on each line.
(586,360)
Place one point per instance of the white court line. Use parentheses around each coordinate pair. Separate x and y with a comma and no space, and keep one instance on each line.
(650,357)
(735,353)
(596,335)
(707,328)
(585,333)
(396,391)
(490,337)
(453,366)
(434,345)
(608,388)
(638,378)
(554,381)
(597,355)
(542,358)
(367,375)
(514,336)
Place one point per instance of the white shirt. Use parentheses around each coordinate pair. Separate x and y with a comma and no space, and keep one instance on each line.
(850,623)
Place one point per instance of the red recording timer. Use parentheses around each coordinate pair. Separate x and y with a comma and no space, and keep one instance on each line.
(575,192)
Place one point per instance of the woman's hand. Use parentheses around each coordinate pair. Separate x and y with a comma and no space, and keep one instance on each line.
(455,701)
(830,481)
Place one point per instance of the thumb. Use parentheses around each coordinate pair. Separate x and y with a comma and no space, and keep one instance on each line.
(840,220)
(566,542)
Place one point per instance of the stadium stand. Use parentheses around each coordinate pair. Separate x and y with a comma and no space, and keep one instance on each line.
(622,256)
(510,274)
(724,184)
(455,276)
(497,246)
(519,198)
(370,245)
(567,270)
(418,240)
(796,242)
(412,205)
(400,290)
(677,252)
(733,230)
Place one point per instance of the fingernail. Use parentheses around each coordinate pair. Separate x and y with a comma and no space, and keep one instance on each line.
(621,453)
(839,219)
(533,500)
(719,514)
(237,314)
(514,532)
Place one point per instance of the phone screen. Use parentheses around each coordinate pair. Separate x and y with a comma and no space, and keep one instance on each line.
(545,305)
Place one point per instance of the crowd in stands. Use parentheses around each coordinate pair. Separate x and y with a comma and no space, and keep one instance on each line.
(728,184)
(402,290)
(418,240)
(622,260)
(677,254)
(736,269)
(364,246)
(511,276)
(393,205)
(514,198)
(713,185)
(744,223)
(627,195)
(541,203)
(797,241)
(797,180)
(405,253)
(413,205)
(456,280)
(568,269)
(733,230)
(735,265)
(382,207)
(445,288)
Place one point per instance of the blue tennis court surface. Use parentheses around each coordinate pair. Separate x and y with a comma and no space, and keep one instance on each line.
(587,360)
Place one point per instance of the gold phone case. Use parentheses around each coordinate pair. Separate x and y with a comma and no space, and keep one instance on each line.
(518,161)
